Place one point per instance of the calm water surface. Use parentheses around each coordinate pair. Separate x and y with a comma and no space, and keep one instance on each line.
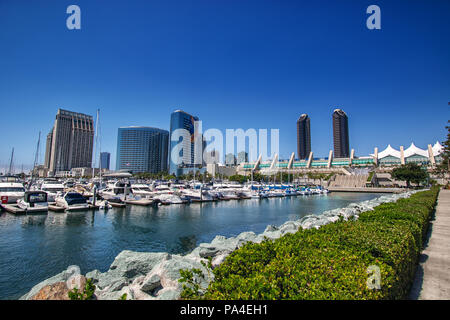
(34,248)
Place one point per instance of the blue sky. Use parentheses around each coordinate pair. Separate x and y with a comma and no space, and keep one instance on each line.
(234,64)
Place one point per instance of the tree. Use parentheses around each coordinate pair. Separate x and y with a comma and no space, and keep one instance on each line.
(409,172)
(444,167)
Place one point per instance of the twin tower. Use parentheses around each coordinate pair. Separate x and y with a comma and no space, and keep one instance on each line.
(340,135)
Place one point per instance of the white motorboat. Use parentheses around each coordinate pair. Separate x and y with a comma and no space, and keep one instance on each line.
(142,190)
(53,189)
(33,201)
(11,189)
(72,201)
(195,196)
(169,199)
(118,190)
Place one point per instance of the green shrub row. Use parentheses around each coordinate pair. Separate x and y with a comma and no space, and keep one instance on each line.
(332,262)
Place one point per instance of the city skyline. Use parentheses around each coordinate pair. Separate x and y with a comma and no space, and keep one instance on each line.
(256,72)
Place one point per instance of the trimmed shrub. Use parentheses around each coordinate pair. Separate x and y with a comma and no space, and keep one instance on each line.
(332,262)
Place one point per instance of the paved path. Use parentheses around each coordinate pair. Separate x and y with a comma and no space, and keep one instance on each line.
(432,281)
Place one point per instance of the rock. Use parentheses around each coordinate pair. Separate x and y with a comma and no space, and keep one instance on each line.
(245,237)
(270,228)
(289,227)
(273,234)
(219,259)
(117,295)
(55,291)
(169,294)
(151,283)
(170,271)
(60,277)
(77,281)
(94,275)
(208,251)
(131,264)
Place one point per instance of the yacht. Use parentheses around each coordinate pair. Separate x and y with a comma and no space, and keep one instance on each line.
(142,190)
(53,189)
(34,201)
(195,196)
(11,189)
(72,201)
(169,199)
(117,190)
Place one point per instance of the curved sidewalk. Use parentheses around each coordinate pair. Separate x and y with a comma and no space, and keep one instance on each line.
(432,279)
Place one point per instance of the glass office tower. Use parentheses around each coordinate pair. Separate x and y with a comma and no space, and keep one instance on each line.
(303,137)
(142,149)
(340,134)
(182,120)
(105,158)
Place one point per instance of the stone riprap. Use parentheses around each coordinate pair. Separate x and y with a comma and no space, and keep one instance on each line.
(155,275)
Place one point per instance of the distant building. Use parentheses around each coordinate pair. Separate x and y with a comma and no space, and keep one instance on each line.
(105,158)
(142,149)
(230,159)
(186,157)
(70,142)
(211,157)
(303,137)
(242,157)
(48,149)
(340,134)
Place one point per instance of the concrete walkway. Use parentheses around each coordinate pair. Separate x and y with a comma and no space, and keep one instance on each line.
(432,280)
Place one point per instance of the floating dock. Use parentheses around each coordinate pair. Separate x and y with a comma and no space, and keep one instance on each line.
(14,209)
(117,204)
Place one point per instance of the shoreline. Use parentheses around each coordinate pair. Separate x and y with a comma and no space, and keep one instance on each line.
(154,275)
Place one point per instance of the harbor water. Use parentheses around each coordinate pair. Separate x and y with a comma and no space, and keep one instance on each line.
(36,247)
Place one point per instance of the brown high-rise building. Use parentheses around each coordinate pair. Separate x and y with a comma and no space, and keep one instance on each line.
(303,137)
(70,142)
(340,134)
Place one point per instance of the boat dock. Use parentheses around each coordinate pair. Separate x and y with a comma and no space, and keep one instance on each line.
(14,209)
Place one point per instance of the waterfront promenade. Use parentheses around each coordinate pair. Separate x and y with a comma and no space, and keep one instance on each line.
(432,280)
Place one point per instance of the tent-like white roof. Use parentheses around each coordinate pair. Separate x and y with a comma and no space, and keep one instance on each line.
(389,151)
(412,150)
(437,148)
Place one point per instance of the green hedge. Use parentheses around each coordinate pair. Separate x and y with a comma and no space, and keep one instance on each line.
(331,262)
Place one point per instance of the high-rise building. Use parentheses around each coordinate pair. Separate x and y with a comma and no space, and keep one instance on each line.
(142,149)
(105,158)
(303,137)
(242,157)
(211,157)
(230,159)
(70,142)
(48,149)
(186,156)
(340,134)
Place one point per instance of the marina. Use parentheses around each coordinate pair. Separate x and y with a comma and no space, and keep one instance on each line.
(93,238)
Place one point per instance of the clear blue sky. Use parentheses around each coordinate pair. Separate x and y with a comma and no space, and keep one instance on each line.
(233,63)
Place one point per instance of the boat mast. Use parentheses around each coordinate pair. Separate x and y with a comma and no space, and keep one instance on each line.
(99,147)
(11,162)
(95,146)
(36,160)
